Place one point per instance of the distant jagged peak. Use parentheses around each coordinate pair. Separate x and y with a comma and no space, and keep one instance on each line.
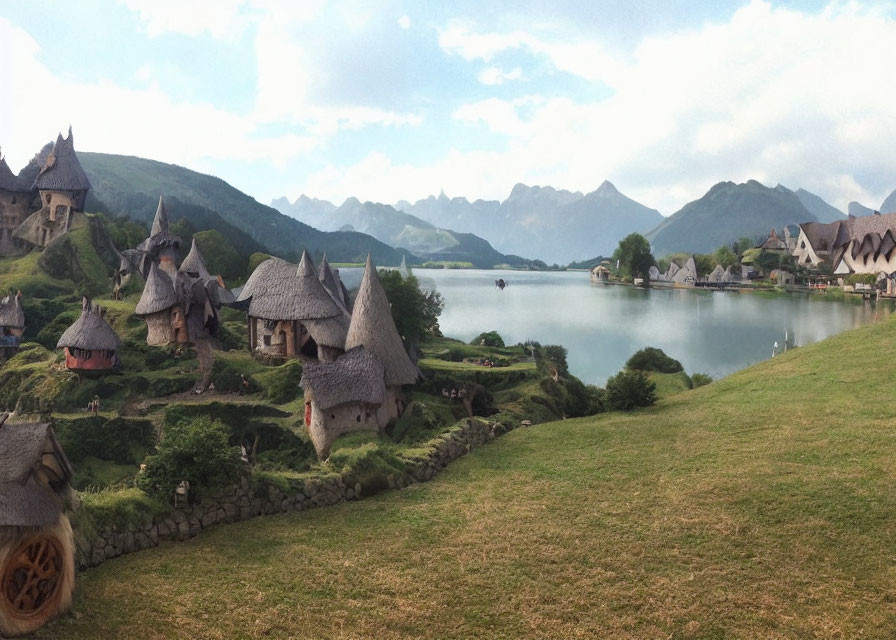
(351,201)
(442,195)
(607,187)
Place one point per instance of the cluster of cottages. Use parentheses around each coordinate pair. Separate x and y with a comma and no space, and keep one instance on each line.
(856,245)
(863,245)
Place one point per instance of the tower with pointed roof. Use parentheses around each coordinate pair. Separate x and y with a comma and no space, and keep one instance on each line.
(373,328)
(161,246)
(62,185)
(163,309)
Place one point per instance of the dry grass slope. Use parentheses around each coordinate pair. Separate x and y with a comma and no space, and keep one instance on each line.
(760,506)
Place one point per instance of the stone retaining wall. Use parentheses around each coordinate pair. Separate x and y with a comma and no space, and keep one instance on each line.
(241,502)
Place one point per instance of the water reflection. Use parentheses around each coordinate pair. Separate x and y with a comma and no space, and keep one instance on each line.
(710,332)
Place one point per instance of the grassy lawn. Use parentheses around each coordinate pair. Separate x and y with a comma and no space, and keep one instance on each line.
(760,506)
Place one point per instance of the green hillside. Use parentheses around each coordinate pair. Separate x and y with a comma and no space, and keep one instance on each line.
(126,185)
(759,506)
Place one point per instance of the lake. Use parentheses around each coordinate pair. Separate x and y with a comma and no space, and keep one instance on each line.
(603,325)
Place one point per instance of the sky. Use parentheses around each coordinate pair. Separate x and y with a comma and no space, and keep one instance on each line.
(396,100)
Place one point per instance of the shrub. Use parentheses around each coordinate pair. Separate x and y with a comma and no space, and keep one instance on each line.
(700,379)
(488,339)
(653,359)
(556,354)
(197,452)
(281,385)
(629,389)
(226,377)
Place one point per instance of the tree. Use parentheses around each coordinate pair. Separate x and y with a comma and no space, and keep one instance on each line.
(415,312)
(629,389)
(633,254)
(725,257)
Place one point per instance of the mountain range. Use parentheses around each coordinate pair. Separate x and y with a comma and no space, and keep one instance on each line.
(127,185)
(398,229)
(553,225)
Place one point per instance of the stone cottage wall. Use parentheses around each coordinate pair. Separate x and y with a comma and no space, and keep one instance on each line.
(242,503)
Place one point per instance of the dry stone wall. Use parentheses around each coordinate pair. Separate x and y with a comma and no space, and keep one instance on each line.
(243,502)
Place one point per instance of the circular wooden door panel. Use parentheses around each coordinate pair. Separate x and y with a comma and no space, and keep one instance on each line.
(31,576)
(36,580)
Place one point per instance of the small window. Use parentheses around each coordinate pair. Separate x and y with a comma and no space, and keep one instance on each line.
(49,197)
(267,341)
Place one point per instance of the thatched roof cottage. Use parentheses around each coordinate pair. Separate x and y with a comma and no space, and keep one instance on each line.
(12,324)
(15,204)
(601,273)
(343,396)
(90,344)
(291,314)
(63,188)
(36,546)
(163,310)
(373,328)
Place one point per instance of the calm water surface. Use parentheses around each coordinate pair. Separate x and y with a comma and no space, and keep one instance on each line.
(602,325)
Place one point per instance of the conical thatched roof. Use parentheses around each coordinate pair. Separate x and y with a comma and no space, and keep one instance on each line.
(11,312)
(280,291)
(194,263)
(9,181)
(372,327)
(160,222)
(89,332)
(158,293)
(23,501)
(356,376)
(332,284)
(62,171)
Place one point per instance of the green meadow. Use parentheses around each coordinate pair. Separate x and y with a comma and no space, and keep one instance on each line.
(759,506)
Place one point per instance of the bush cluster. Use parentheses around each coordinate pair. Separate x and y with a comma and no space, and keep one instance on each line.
(196,451)
(653,359)
(629,389)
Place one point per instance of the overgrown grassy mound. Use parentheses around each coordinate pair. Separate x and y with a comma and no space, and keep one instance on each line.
(760,506)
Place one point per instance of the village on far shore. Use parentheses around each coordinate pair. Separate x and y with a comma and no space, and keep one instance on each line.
(856,254)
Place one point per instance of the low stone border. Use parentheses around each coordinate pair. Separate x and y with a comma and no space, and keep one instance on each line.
(239,503)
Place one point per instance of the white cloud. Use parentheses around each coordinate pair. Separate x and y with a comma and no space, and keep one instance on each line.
(404,22)
(113,119)
(576,56)
(220,18)
(496,75)
(773,94)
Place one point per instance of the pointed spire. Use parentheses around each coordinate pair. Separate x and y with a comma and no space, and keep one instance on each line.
(305,267)
(331,283)
(160,222)
(403,268)
(195,263)
(373,327)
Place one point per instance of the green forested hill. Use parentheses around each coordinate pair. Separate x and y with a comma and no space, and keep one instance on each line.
(127,185)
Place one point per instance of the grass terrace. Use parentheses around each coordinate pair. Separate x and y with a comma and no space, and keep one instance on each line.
(759,506)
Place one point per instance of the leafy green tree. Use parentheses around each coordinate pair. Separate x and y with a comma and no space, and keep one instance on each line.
(415,312)
(197,452)
(653,359)
(705,263)
(725,257)
(489,339)
(633,254)
(742,244)
(629,389)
